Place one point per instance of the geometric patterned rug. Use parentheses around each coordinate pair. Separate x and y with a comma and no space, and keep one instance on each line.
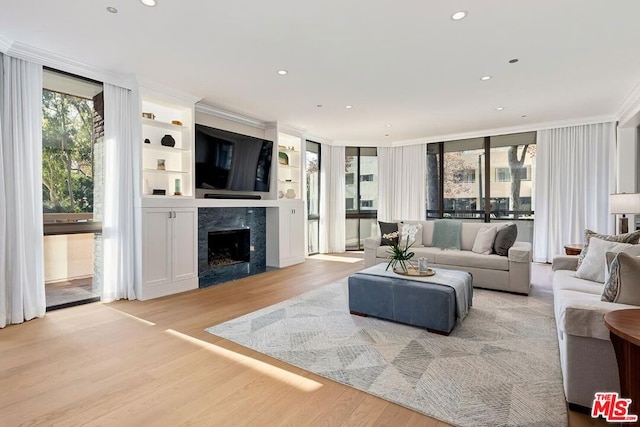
(500,367)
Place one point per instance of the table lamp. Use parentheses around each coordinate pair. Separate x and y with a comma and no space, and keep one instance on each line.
(624,203)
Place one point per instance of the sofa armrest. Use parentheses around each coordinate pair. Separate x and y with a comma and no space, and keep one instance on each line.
(372,242)
(520,252)
(565,262)
(371,245)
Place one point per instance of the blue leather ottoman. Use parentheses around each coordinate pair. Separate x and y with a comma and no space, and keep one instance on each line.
(427,305)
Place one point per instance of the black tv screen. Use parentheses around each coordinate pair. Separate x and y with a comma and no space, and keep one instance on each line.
(230,161)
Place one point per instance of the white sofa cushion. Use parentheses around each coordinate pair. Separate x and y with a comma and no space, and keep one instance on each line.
(411,231)
(472,259)
(484,240)
(594,263)
(582,314)
(469,232)
(565,280)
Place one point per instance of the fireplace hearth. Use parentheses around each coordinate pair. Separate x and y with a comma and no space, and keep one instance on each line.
(228,247)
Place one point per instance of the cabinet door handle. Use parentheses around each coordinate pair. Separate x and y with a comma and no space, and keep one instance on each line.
(170,215)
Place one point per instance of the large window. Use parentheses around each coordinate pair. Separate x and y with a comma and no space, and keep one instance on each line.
(67,153)
(361,195)
(313,197)
(482,178)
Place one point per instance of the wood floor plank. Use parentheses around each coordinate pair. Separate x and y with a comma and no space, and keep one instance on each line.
(151,363)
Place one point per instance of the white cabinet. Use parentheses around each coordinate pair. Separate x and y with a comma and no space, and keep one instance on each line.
(285,231)
(169,251)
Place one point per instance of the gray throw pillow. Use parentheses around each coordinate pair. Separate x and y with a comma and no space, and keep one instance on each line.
(622,285)
(386,231)
(505,238)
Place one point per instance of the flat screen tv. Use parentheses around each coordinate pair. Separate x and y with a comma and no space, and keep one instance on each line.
(229,161)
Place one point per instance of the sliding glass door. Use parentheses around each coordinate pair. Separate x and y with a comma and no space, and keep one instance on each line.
(313,197)
(361,195)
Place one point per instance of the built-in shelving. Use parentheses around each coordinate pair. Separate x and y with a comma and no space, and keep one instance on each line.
(178,160)
(289,169)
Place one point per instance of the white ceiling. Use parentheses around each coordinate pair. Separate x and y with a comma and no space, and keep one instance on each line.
(404,63)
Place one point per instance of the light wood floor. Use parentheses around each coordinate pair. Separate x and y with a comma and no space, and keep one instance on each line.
(150,363)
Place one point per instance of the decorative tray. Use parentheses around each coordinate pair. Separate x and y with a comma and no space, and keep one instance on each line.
(412,271)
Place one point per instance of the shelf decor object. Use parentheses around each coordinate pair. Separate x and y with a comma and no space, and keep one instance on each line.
(161,165)
(146,141)
(150,116)
(168,141)
(291,194)
(177,188)
(176,122)
(283,159)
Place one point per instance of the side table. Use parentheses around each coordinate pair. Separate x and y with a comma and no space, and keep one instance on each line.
(624,327)
(573,248)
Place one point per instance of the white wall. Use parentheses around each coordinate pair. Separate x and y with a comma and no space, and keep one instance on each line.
(224,124)
(626,165)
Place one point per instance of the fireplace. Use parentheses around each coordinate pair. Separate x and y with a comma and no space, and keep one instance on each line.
(228,247)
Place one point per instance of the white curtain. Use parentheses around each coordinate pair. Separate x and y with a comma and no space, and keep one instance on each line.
(402,182)
(120,226)
(332,206)
(22,295)
(575,173)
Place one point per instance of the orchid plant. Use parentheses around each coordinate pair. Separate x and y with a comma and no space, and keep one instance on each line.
(397,254)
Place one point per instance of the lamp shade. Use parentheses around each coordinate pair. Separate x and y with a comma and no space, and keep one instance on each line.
(624,203)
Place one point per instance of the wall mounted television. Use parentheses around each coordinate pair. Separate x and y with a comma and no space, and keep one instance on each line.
(228,161)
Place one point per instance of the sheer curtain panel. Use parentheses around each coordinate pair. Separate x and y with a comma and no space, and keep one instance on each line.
(332,205)
(120,227)
(22,295)
(402,182)
(574,177)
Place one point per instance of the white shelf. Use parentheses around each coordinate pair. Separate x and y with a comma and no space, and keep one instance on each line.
(164,171)
(164,148)
(284,181)
(288,151)
(289,166)
(163,125)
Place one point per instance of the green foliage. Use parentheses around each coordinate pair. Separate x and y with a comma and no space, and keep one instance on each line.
(398,254)
(67,153)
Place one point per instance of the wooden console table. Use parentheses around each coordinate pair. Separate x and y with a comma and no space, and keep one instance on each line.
(573,248)
(625,337)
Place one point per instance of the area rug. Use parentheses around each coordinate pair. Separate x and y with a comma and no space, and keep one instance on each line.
(500,367)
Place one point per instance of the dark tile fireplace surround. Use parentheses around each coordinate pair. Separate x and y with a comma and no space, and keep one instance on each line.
(231,244)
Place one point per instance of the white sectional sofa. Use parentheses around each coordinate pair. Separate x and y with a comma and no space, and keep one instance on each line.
(510,273)
(587,357)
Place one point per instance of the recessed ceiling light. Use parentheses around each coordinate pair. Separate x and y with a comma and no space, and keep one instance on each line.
(283,72)
(348,107)
(386,134)
(111,9)
(319,105)
(485,78)
(459,15)
(513,61)
(524,115)
(499,108)
(149,3)
(388,126)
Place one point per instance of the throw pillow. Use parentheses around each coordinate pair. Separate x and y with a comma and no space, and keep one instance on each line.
(447,234)
(632,238)
(484,240)
(387,230)
(593,266)
(623,286)
(413,232)
(505,238)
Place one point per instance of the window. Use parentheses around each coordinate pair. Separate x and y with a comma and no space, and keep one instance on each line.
(313,196)
(361,195)
(67,152)
(459,179)
(348,178)
(503,175)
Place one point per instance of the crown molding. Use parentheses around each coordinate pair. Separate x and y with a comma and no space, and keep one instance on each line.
(48,59)
(155,90)
(291,129)
(507,130)
(228,115)
(5,44)
(630,107)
